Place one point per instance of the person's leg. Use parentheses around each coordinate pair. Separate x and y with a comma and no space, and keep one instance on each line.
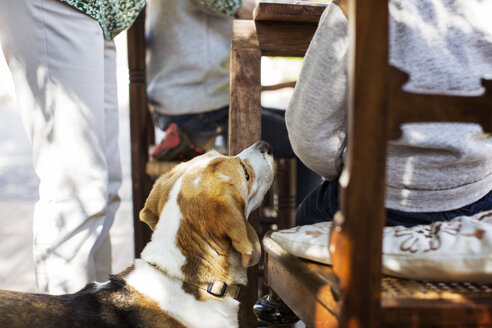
(206,122)
(306,181)
(190,135)
(201,128)
(56,56)
(320,205)
(102,253)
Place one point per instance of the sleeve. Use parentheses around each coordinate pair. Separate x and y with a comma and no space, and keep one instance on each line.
(316,117)
(225,7)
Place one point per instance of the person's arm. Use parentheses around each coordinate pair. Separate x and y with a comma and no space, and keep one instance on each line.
(316,117)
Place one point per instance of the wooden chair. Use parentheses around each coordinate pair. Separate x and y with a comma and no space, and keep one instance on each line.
(352,292)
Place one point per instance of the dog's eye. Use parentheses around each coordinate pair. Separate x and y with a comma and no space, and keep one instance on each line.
(246,174)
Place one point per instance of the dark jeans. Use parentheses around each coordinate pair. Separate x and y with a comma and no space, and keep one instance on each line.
(201,127)
(322,203)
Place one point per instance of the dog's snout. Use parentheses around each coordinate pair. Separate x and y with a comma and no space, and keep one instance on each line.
(264,147)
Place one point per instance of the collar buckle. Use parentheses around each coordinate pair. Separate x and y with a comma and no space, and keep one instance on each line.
(216,290)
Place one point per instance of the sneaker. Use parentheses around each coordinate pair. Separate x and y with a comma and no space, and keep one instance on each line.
(175,146)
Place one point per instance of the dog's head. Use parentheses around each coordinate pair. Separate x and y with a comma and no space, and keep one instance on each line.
(201,207)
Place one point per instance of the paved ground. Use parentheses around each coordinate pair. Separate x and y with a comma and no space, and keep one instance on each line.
(18,192)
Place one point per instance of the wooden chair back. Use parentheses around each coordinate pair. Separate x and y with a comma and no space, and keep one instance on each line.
(353,293)
(377,108)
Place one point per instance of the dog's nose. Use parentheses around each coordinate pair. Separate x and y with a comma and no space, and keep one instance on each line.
(264,147)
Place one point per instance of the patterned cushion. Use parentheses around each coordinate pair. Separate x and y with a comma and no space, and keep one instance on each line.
(457,250)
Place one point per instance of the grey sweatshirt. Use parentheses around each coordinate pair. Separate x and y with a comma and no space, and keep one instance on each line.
(188,57)
(446,46)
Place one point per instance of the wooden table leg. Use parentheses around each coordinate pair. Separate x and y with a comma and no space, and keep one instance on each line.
(286,189)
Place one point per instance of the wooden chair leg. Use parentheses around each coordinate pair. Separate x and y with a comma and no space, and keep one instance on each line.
(279,207)
(286,190)
(270,308)
(141,128)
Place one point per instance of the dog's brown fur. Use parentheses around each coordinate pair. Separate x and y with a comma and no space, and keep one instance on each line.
(116,304)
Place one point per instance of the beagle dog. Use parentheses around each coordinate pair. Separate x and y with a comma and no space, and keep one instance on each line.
(191,273)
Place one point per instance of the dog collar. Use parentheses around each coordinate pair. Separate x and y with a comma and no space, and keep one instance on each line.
(216,288)
(221,289)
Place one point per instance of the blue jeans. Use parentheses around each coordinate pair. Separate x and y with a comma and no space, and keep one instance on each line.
(322,203)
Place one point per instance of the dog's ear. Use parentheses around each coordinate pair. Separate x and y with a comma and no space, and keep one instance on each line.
(150,213)
(253,238)
(244,238)
(157,199)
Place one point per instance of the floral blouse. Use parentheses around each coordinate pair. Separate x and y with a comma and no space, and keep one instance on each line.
(115,16)
(226,7)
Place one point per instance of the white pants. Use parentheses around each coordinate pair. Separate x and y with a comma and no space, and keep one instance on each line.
(65,80)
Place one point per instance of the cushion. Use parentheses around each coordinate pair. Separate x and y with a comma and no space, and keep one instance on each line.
(458,250)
